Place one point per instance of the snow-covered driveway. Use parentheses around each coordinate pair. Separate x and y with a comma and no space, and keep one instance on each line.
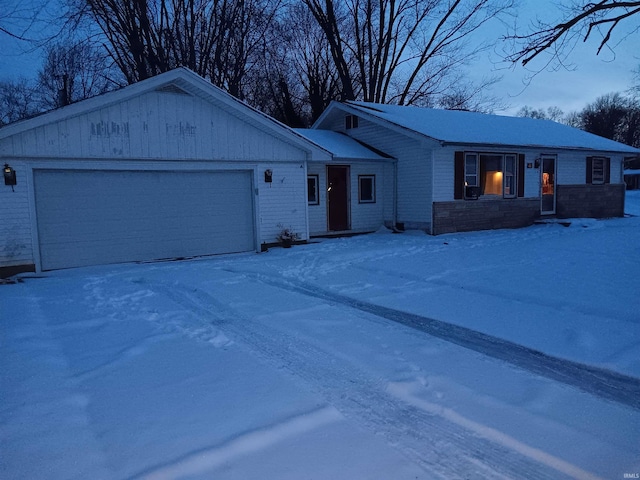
(265,366)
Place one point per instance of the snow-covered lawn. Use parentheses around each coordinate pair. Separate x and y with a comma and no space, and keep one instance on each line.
(254,366)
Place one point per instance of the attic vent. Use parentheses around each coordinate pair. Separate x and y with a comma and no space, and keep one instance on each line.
(171,88)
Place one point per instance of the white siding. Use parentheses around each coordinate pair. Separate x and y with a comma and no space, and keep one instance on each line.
(16,244)
(389,192)
(283,201)
(572,167)
(617,170)
(156,131)
(443,174)
(318,213)
(367,216)
(414,172)
(154,125)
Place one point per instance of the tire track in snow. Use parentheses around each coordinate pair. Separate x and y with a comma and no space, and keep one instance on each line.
(607,384)
(207,459)
(441,448)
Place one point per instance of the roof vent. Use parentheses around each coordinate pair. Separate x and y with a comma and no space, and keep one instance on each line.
(171,88)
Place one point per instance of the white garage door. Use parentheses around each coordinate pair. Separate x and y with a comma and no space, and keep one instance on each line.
(100,217)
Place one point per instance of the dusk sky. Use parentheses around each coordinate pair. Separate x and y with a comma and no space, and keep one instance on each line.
(570,89)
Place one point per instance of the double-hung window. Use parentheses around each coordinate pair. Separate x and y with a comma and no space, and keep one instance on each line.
(509,177)
(471,170)
(597,170)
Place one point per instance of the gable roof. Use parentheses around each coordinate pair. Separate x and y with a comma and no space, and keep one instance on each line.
(472,128)
(179,80)
(339,144)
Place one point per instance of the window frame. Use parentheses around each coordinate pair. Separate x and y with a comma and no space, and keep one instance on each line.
(601,179)
(477,175)
(371,177)
(513,176)
(316,198)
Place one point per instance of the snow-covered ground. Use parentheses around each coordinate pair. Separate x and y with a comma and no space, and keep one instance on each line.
(286,364)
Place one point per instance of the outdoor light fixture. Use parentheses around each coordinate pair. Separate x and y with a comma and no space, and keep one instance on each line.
(9,175)
(268,176)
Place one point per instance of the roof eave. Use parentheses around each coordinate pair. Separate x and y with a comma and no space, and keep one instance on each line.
(446,143)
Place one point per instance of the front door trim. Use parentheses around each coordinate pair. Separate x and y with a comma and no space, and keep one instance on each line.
(548,184)
(338,198)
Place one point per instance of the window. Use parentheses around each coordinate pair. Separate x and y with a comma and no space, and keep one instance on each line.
(351,121)
(471,170)
(490,174)
(597,170)
(366,188)
(509,186)
(313,197)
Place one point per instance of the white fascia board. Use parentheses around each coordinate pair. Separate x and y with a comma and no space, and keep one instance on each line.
(544,149)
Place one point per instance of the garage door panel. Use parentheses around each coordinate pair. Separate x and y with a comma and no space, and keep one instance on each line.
(96,217)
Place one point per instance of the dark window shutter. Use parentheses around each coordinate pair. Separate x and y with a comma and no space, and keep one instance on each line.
(589,170)
(458,178)
(521,175)
(607,170)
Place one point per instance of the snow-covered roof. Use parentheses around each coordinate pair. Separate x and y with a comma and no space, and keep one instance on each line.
(461,127)
(339,144)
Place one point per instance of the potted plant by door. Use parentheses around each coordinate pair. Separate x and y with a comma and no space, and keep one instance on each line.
(287,236)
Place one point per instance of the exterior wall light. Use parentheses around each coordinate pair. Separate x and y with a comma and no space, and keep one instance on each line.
(9,175)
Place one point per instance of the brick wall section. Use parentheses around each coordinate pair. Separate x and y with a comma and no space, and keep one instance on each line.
(469,215)
(590,201)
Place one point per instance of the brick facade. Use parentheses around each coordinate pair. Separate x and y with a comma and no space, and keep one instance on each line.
(484,214)
(590,201)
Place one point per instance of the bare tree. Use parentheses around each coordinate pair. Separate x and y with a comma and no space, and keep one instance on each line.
(298,79)
(613,116)
(551,113)
(73,72)
(217,39)
(581,20)
(18,100)
(465,95)
(402,51)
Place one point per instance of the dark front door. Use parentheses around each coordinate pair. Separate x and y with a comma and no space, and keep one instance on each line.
(338,197)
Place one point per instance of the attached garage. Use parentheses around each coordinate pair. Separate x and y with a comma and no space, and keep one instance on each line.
(169,167)
(98,217)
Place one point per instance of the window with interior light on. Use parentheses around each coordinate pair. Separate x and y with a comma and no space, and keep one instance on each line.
(494,174)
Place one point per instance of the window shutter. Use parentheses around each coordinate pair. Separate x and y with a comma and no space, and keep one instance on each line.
(607,170)
(589,170)
(521,175)
(458,178)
